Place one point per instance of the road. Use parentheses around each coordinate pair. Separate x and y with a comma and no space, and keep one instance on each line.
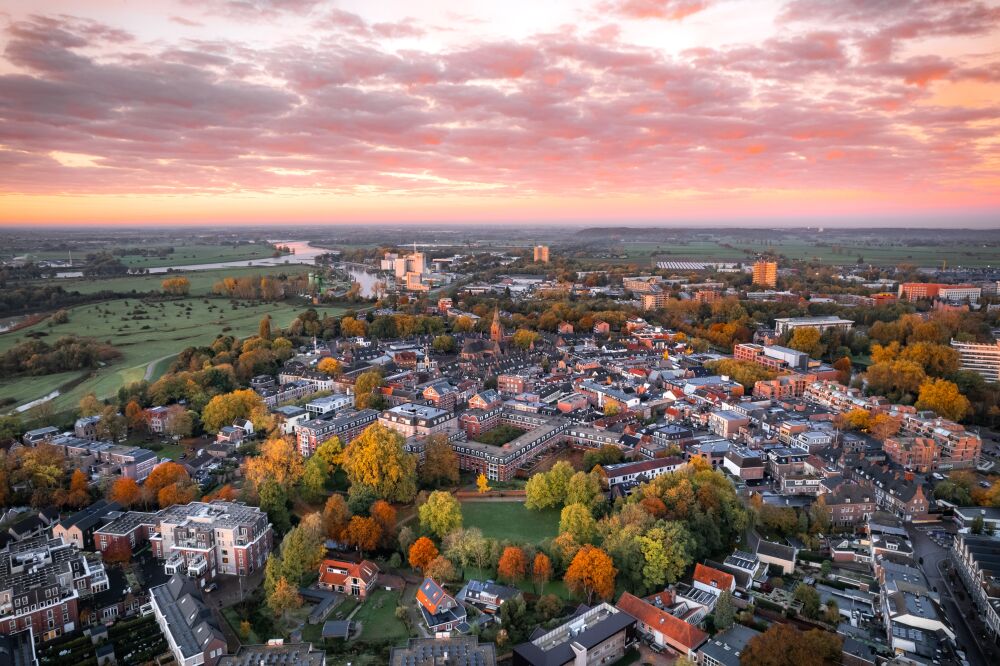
(934,558)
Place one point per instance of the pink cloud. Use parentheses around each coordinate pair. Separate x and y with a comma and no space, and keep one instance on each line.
(670,10)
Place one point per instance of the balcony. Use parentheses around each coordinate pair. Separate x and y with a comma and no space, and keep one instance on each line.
(197,567)
(175,564)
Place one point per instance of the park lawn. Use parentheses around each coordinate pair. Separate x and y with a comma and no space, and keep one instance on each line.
(165,329)
(510,520)
(378,618)
(201,281)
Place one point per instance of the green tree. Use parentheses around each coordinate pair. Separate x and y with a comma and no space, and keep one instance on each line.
(809,598)
(314,478)
(725,612)
(303,549)
(274,501)
(585,489)
(665,550)
(440,514)
(832,612)
(444,344)
(577,521)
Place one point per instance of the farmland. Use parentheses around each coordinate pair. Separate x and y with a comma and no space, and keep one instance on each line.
(834,251)
(145,332)
(183,255)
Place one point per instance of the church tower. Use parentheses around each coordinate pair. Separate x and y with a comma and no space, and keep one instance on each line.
(496,328)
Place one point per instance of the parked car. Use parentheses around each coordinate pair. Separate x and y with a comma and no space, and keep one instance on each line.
(211,587)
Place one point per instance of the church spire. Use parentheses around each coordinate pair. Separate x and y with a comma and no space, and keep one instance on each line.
(496,328)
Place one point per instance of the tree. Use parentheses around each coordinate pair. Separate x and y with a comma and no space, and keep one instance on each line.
(541,570)
(807,339)
(273,500)
(843,366)
(826,568)
(440,465)
(548,606)
(591,573)
(134,416)
(303,549)
(163,475)
(943,397)
(606,455)
(513,565)
(832,613)
(376,459)
(125,491)
(224,409)
(383,514)
(332,452)
(226,493)
(364,388)
(440,569)
(585,489)
(746,373)
(176,286)
(112,424)
(422,552)
(725,612)
(363,533)
(482,483)
(279,461)
(548,489)
(784,645)
(314,478)
(89,406)
(283,598)
(330,366)
(524,338)
(666,551)
(577,521)
(444,344)
(336,515)
(883,426)
(809,598)
(440,514)
(79,490)
(264,328)
(181,492)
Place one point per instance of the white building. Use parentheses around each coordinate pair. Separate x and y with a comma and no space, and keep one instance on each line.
(983,358)
(785,324)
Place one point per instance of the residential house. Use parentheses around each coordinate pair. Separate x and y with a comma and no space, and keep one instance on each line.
(598,635)
(440,611)
(354,579)
(661,627)
(190,627)
(486,596)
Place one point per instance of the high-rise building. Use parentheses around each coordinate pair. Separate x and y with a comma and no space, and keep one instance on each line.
(765,273)
(542,254)
(983,358)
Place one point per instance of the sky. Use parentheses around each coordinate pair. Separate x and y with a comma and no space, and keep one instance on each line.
(515,111)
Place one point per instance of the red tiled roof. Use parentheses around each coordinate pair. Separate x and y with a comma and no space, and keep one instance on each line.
(713,577)
(678,634)
(365,570)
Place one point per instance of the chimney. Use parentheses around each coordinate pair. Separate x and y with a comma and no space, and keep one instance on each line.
(908,475)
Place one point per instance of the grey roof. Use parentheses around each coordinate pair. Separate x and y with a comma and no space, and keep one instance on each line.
(336,628)
(562,653)
(726,646)
(459,650)
(189,621)
(289,654)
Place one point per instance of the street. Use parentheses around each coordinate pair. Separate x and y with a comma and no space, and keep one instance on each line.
(961,613)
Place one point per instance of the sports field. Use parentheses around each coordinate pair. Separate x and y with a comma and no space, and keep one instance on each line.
(145,333)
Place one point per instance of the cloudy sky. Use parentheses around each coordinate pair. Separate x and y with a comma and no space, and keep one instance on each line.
(501,111)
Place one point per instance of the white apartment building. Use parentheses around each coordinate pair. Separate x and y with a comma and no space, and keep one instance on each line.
(983,358)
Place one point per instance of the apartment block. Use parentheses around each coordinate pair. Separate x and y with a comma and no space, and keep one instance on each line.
(346,425)
(765,273)
(983,358)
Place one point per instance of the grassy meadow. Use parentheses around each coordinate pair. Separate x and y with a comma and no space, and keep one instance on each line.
(510,520)
(145,333)
(201,281)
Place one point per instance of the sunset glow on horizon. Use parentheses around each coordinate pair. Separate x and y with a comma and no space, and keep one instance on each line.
(306,111)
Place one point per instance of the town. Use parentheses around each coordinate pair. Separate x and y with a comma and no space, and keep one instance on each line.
(528,450)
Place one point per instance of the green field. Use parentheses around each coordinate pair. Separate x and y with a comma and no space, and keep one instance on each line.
(166,329)
(834,251)
(201,281)
(183,255)
(510,520)
(378,618)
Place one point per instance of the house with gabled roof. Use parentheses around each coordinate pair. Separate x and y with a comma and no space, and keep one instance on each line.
(661,627)
(713,580)
(487,596)
(439,609)
(355,579)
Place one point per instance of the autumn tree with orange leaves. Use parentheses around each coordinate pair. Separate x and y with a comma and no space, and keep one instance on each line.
(541,570)
(125,491)
(422,552)
(591,573)
(279,461)
(169,483)
(383,514)
(363,533)
(336,516)
(78,494)
(512,565)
